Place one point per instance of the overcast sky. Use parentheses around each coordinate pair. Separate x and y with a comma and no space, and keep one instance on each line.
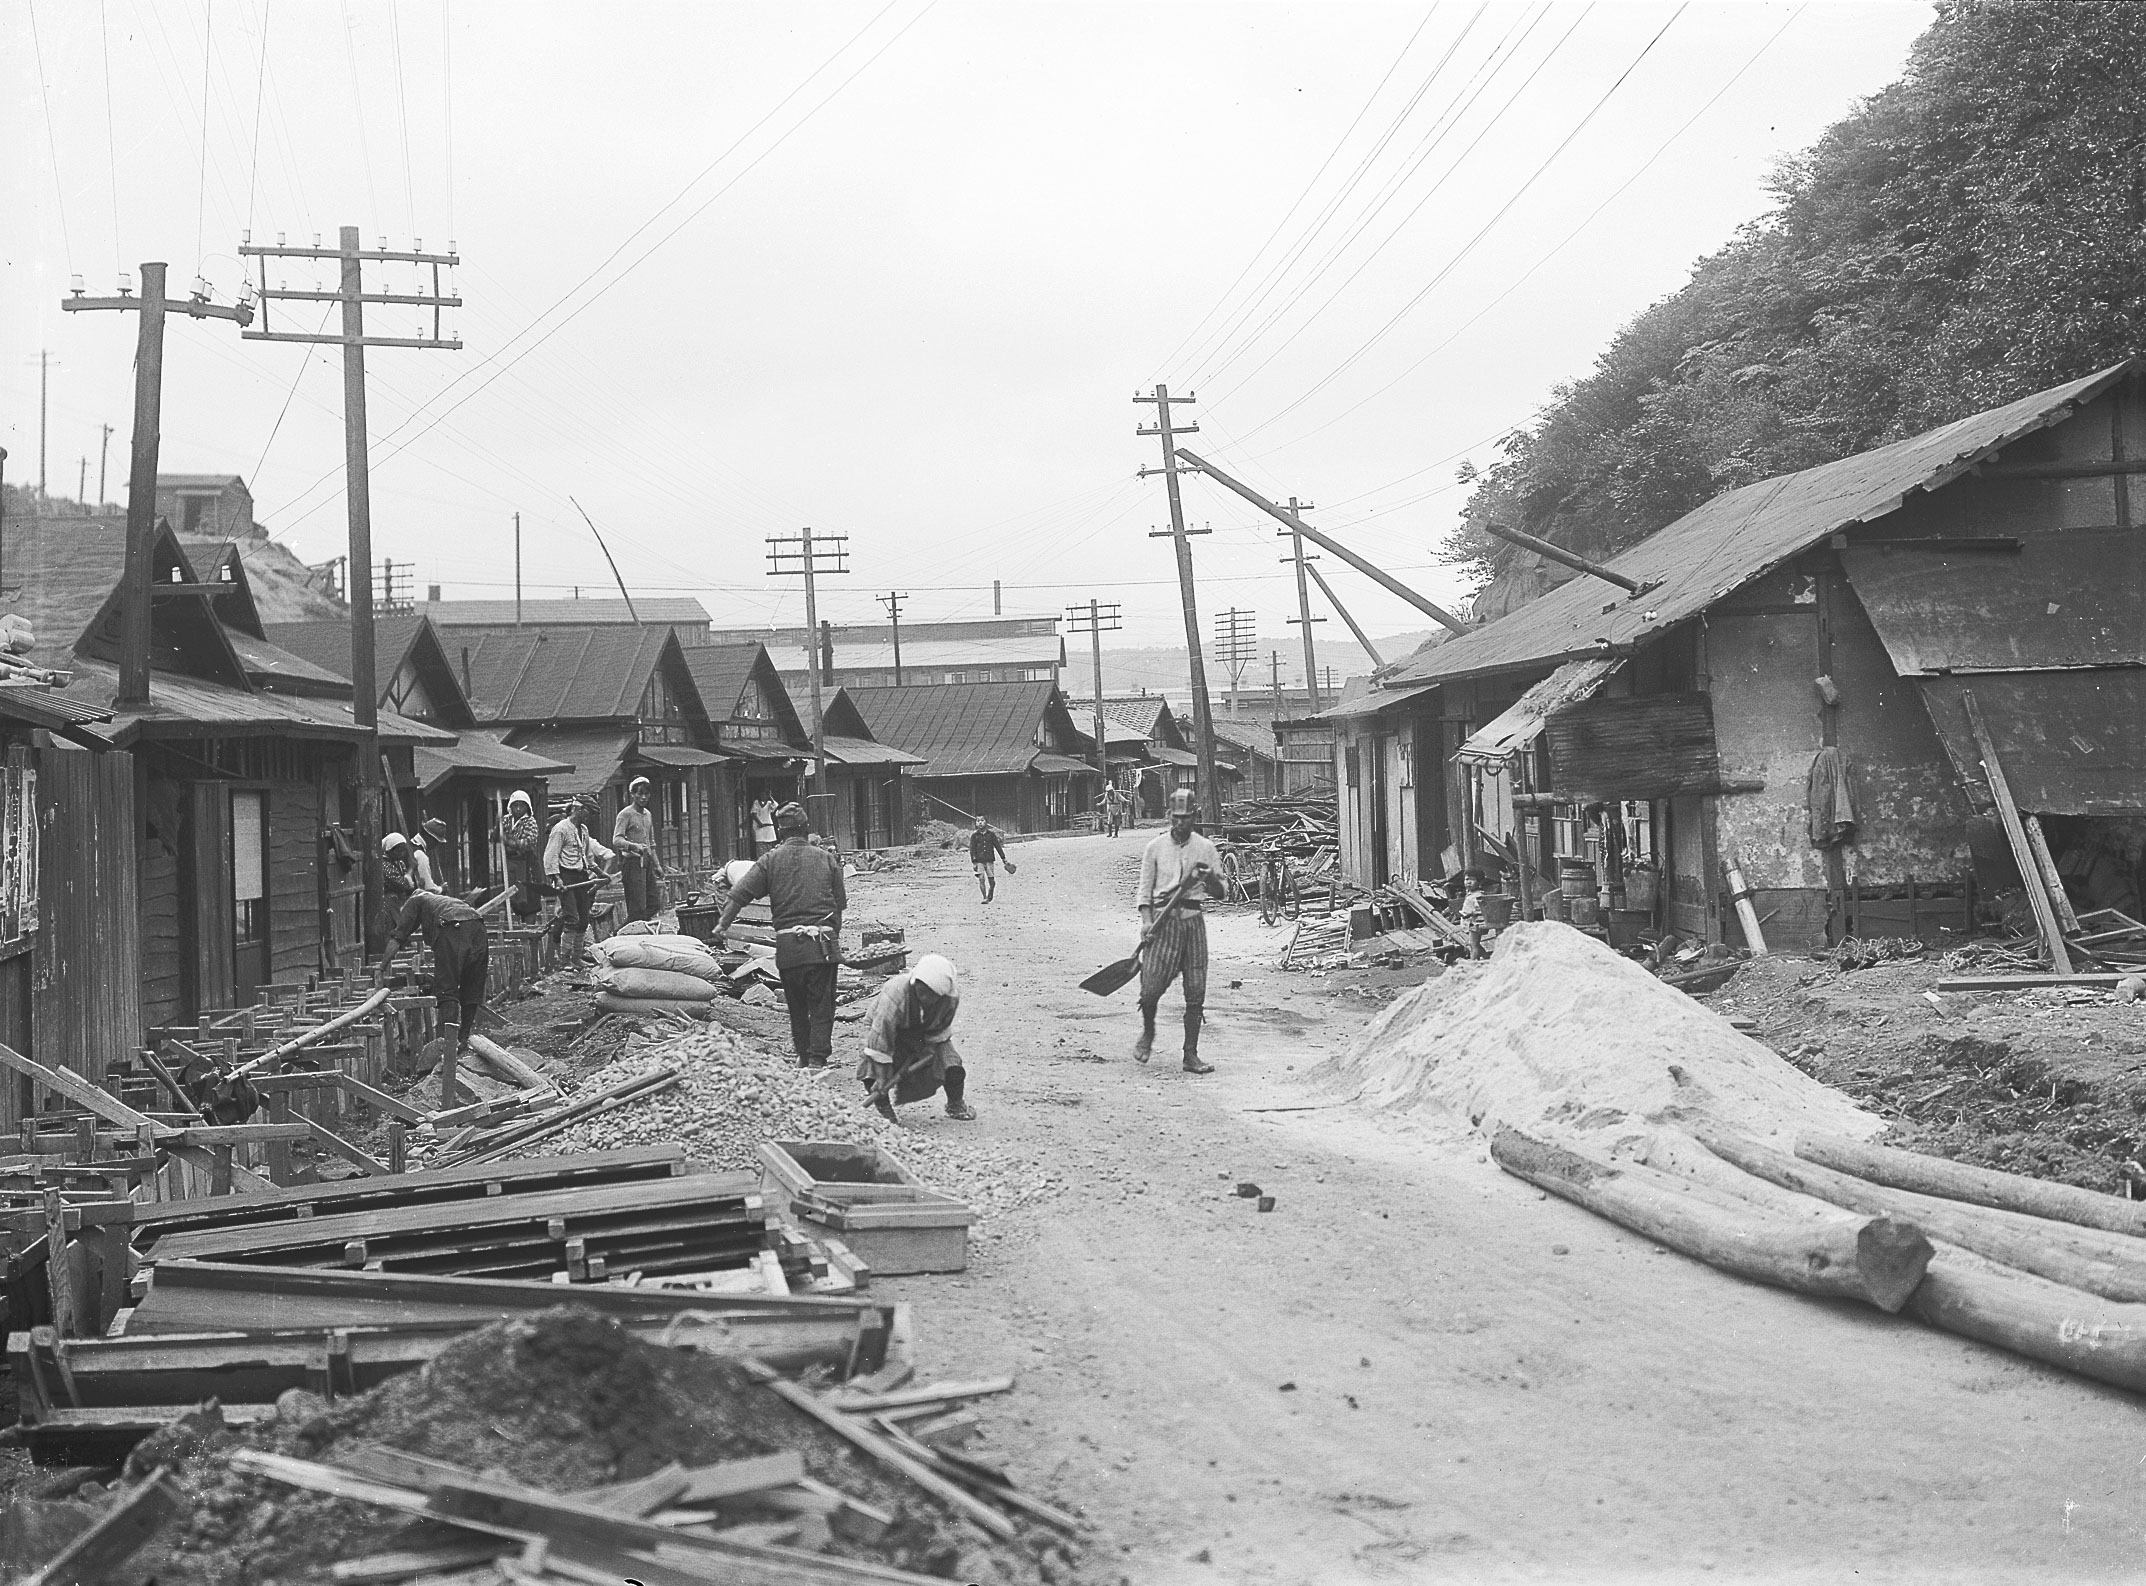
(894,270)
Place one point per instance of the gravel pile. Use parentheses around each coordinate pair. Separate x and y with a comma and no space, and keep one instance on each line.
(732,1095)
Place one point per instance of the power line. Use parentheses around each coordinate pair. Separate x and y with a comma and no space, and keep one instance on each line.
(402,113)
(201,193)
(111,138)
(1469,247)
(52,142)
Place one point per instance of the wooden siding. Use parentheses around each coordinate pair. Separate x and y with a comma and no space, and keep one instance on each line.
(1652,746)
(86,978)
(294,826)
(157,868)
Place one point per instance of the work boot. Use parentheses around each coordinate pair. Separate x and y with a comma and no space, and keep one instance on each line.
(1193,1065)
(957,1080)
(1146,1044)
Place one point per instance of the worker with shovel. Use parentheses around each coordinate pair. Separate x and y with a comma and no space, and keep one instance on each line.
(802,883)
(573,863)
(909,1050)
(1179,868)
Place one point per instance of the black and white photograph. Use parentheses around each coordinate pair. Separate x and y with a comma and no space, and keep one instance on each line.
(1072,792)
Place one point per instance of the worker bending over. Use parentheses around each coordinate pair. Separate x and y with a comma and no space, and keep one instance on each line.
(574,861)
(633,836)
(803,886)
(909,1048)
(1178,870)
(461,957)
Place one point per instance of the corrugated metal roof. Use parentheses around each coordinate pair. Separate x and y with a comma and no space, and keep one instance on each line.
(863,751)
(721,673)
(2069,742)
(326,641)
(479,754)
(1522,722)
(45,706)
(593,752)
(1719,547)
(190,707)
(589,672)
(676,755)
(2067,597)
(1049,763)
(760,749)
(962,729)
(1368,702)
(1163,754)
(266,662)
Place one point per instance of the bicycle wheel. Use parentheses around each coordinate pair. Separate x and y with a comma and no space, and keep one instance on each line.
(1232,876)
(1291,901)
(1270,895)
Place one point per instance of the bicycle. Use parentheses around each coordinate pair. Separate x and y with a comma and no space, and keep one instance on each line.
(1279,893)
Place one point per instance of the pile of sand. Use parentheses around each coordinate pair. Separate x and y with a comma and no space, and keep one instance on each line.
(1557,1031)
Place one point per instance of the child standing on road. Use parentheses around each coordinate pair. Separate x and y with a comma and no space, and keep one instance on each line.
(986,846)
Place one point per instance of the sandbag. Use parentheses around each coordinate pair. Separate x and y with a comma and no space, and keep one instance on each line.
(651,952)
(665,985)
(611,1002)
(641,941)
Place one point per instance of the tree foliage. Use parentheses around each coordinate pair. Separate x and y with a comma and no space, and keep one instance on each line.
(1973,233)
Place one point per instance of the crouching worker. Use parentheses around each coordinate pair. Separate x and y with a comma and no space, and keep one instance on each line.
(909,1044)
(461,957)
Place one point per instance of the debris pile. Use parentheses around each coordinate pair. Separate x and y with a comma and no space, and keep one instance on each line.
(563,1446)
(1555,1029)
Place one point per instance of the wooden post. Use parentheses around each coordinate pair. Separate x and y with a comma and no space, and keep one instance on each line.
(2015,833)
(397,1146)
(59,1279)
(141,493)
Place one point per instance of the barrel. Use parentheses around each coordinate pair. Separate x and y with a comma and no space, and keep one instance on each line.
(1576,878)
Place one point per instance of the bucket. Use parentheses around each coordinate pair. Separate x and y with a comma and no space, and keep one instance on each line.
(1497,911)
(1641,889)
(1576,878)
(1583,913)
(698,919)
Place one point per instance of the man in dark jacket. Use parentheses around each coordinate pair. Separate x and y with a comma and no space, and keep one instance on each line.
(985,845)
(461,957)
(803,886)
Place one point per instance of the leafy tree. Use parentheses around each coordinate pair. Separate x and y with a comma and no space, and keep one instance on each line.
(1974,232)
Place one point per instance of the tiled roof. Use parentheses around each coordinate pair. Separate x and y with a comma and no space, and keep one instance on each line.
(586,673)
(1716,549)
(962,729)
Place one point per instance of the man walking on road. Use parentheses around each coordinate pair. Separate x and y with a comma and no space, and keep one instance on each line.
(985,846)
(633,837)
(803,885)
(1178,870)
(909,1044)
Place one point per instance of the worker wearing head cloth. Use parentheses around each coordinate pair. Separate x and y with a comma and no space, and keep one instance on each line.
(1179,870)
(909,1050)
(633,835)
(523,840)
(802,883)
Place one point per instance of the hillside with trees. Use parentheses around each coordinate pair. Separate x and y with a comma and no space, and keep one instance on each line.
(1972,233)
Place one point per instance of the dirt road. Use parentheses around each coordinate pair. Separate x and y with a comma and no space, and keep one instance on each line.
(1417,1368)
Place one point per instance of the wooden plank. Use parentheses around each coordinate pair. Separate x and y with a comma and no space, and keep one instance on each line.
(358,1090)
(2015,833)
(2046,866)
(731,1478)
(64,1081)
(2089,981)
(344,1149)
(376,1567)
(92,1558)
(930,1393)
(659,1489)
(59,1276)
(867,1441)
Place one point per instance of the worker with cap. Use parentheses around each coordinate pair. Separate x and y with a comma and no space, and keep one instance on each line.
(431,845)
(1179,870)
(573,863)
(909,1050)
(461,957)
(522,837)
(803,886)
(633,835)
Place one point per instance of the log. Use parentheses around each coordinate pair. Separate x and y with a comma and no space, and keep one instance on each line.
(2078,1258)
(1876,1260)
(508,1064)
(2034,1317)
(2085,981)
(1981,1186)
(319,1032)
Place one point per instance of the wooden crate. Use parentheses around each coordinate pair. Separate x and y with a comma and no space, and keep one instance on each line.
(871,1201)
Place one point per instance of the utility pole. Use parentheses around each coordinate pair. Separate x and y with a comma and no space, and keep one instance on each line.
(892,600)
(1295,536)
(812,555)
(517,569)
(1203,722)
(357,483)
(44,366)
(1274,682)
(1236,644)
(1095,621)
(82,485)
(104,448)
(141,480)
(1355,627)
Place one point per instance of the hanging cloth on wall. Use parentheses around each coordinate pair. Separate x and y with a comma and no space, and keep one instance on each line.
(1832,799)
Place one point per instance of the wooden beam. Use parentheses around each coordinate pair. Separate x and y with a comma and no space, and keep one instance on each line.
(2015,833)
(66,1082)
(2090,981)
(322,1135)
(2046,866)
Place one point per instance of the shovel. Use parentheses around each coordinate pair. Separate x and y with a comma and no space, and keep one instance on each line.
(1113,976)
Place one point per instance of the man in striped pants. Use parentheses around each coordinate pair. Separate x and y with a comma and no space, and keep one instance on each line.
(1179,870)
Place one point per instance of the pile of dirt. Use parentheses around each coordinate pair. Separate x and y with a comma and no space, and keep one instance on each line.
(561,1400)
(941,834)
(2046,1082)
(1556,1030)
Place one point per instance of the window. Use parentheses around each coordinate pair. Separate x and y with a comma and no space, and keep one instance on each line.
(193,508)
(249,867)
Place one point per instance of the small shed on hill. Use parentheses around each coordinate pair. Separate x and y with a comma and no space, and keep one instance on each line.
(1006,751)
(1789,689)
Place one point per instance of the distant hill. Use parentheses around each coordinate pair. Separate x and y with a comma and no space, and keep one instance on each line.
(1163,670)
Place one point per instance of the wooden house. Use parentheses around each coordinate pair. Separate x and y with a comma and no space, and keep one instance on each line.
(761,737)
(865,807)
(244,773)
(614,703)
(1789,691)
(1006,751)
(1247,758)
(464,784)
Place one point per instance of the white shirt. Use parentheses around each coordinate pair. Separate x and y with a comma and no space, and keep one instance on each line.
(571,848)
(763,813)
(1165,862)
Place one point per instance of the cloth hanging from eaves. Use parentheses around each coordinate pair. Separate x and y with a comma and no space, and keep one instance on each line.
(1831,796)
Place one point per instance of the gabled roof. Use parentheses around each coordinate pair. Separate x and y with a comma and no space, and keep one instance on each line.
(593,672)
(595,753)
(182,707)
(66,575)
(398,636)
(968,729)
(723,672)
(574,613)
(482,756)
(1736,537)
(270,667)
(1257,736)
(847,736)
